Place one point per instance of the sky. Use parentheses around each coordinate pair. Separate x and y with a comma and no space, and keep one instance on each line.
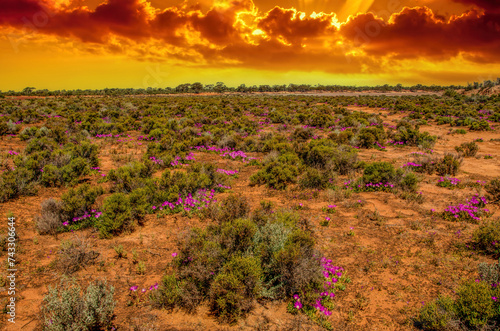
(94,44)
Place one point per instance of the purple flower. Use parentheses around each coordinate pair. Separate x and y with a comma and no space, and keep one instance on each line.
(134,288)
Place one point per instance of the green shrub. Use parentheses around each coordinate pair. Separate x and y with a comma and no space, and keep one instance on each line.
(295,266)
(71,172)
(16,183)
(169,293)
(342,137)
(236,235)
(493,190)
(87,151)
(116,217)
(40,145)
(80,200)
(234,289)
(344,161)
(28,133)
(51,176)
(301,134)
(276,175)
(130,177)
(367,137)
(411,136)
(474,304)
(319,156)
(468,149)
(379,172)
(234,263)
(140,200)
(487,236)
(438,314)
(449,165)
(66,308)
(408,182)
(313,178)
(230,208)
(177,183)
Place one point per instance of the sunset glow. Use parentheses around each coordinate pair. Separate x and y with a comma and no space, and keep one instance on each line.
(71,44)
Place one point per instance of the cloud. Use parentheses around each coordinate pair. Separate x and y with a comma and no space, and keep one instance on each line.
(13,11)
(418,32)
(491,6)
(295,26)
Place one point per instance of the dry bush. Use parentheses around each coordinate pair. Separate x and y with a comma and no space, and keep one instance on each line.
(232,207)
(74,255)
(51,217)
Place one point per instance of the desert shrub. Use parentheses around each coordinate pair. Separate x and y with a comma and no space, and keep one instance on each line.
(116,217)
(379,172)
(140,199)
(460,131)
(227,141)
(449,165)
(493,190)
(427,164)
(278,174)
(51,218)
(71,172)
(233,263)
(169,294)
(16,183)
(66,308)
(51,176)
(202,170)
(313,178)
(74,255)
(236,235)
(77,202)
(438,314)
(295,267)
(367,137)
(344,161)
(468,149)
(410,135)
(130,177)
(87,151)
(408,181)
(475,307)
(320,119)
(267,242)
(489,273)
(28,133)
(234,289)
(474,304)
(177,183)
(232,207)
(319,156)
(261,215)
(342,137)
(487,236)
(302,134)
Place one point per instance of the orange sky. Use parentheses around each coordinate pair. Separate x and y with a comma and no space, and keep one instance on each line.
(70,44)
